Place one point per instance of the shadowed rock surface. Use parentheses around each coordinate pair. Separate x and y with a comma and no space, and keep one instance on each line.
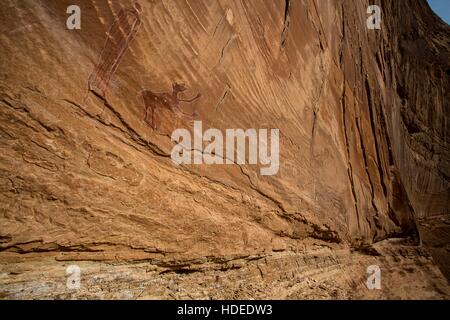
(86,178)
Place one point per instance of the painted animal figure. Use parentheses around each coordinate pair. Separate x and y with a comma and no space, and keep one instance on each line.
(154,101)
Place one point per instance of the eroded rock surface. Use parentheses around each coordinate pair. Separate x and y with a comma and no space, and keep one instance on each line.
(87,178)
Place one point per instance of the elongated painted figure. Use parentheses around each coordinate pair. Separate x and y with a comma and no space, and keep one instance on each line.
(121,33)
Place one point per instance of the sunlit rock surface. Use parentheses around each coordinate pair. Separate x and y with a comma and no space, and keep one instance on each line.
(86,176)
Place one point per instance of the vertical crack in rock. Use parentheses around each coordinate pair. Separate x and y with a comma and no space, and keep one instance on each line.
(372,111)
(286,22)
(222,18)
(322,34)
(366,166)
(344,120)
(347,146)
(223,98)
(222,51)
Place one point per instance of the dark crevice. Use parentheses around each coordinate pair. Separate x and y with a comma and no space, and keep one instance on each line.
(222,99)
(222,52)
(286,22)
(375,136)
(369,178)
(349,169)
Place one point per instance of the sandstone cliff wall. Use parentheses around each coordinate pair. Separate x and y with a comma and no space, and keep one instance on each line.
(363,118)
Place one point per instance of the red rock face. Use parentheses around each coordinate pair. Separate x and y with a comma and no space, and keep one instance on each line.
(86,121)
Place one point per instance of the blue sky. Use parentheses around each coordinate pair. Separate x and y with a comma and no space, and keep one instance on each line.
(442,8)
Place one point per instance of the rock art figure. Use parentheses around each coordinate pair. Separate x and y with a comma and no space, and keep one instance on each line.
(153,101)
(122,31)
